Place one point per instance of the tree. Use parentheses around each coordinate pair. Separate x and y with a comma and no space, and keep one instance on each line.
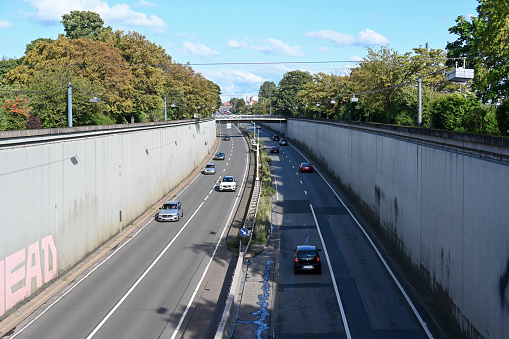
(100,63)
(449,112)
(238,105)
(322,90)
(14,114)
(30,47)
(145,60)
(268,90)
(379,74)
(83,24)
(291,83)
(492,41)
(8,64)
(485,42)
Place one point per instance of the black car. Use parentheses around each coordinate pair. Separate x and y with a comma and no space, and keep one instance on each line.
(226,138)
(275,138)
(307,259)
(219,156)
(283,142)
(274,149)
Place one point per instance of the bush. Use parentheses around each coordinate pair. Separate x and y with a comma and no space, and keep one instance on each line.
(502,117)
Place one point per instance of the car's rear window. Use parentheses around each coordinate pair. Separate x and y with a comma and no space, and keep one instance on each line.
(306,254)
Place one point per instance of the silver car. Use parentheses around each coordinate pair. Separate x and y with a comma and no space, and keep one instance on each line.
(209,169)
(170,211)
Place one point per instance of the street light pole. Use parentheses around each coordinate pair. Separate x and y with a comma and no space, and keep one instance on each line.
(257,153)
(165,115)
(419,102)
(69,105)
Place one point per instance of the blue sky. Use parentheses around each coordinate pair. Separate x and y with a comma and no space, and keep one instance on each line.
(280,32)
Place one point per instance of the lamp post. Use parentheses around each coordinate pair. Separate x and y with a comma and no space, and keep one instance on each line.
(197,116)
(69,105)
(319,111)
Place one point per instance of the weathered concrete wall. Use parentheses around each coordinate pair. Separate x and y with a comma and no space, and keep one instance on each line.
(61,199)
(445,210)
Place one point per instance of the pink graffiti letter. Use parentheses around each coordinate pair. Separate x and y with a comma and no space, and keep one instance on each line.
(14,278)
(33,269)
(48,246)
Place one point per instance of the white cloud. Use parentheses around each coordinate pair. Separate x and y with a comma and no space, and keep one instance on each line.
(50,10)
(355,58)
(339,39)
(233,82)
(273,46)
(233,43)
(144,3)
(367,37)
(198,49)
(5,24)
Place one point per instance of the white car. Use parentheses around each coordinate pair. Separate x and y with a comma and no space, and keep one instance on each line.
(209,169)
(228,184)
(170,211)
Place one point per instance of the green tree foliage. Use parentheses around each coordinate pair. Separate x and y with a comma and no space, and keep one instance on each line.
(377,75)
(484,40)
(323,90)
(492,40)
(30,47)
(8,64)
(263,106)
(145,60)
(51,108)
(83,24)
(450,112)
(95,61)
(291,83)
(268,90)
(502,117)
(239,106)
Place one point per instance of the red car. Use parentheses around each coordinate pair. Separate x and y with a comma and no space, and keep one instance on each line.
(306,167)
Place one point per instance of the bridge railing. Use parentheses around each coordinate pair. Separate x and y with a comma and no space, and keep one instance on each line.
(249,117)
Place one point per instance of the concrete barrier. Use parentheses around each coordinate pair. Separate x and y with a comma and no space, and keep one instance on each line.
(440,196)
(67,193)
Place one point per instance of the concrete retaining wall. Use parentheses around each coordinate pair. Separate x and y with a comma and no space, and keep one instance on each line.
(62,198)
(445,210)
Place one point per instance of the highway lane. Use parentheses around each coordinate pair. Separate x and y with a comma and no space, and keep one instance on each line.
(356,295)
(144,288)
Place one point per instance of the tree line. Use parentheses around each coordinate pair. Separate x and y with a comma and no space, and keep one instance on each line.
(385,82)
(131,75)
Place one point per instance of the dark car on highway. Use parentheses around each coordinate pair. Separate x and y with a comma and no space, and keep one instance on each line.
(226,138)
(283,142)
(274,149)
(307,259)
(275,138)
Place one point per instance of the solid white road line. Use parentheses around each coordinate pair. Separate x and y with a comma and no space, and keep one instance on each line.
(342,310)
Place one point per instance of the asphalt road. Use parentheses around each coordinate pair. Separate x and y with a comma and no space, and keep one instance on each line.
(147,285)
(359,293)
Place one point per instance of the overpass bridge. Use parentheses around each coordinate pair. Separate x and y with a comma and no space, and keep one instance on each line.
(234,118)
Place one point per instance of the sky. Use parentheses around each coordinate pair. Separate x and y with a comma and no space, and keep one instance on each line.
(239,45)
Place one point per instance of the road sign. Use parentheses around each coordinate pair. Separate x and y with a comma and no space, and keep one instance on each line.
(243,232)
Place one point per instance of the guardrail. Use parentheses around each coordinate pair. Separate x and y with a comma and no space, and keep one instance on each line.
(250,117)
(231,309)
